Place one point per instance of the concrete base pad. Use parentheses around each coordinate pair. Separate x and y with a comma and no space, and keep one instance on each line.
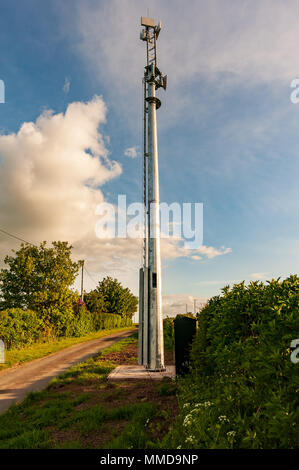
(136,372)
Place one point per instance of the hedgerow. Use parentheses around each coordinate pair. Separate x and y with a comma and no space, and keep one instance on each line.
(102,321)
(19,328)
(37,301)
(243,388)
(168,329)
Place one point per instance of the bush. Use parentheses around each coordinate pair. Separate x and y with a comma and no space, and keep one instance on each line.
(38,303)
(57,311)
(185,315)
(102,321)
(116,298)
(82,322)
(94,301)
(36,277)
(168,329)
(243,388)
(20,327)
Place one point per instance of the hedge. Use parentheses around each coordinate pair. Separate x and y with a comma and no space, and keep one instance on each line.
(168,329)
(19,328)
(242,391)
(105,321)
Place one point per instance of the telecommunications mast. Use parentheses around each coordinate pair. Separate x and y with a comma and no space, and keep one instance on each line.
(150,341)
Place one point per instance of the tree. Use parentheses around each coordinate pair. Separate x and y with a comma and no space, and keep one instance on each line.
(39,278)
(117,299)
(94,301)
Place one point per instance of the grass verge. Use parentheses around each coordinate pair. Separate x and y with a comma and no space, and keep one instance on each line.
(81,409)
(15,357)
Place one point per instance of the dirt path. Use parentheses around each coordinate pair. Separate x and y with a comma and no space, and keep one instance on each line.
(34,376)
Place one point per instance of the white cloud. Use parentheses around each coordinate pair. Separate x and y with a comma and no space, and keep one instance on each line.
(174,304)
(222,283)
(244,43)
(260,276)
(172,248)
(66,86)
(51,175)
(131,152)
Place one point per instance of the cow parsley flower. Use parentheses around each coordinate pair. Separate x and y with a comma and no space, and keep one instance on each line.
(190,439)
(223,419)
(187,420)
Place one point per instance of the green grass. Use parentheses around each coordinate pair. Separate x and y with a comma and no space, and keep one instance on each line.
(166,389)
(29,425)
(34,424)
(38,350)
(135,434)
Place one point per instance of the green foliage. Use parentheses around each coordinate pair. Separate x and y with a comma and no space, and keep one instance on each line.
(37,277)
(82,322)
(34,422)
(135,434)
(37,301)
(20,327)
(103,321)
(243,388)
(166,389)
(186,315)
(168,330)
(43,347)
(117,299)
(94,301)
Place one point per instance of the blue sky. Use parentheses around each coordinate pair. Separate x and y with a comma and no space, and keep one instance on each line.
(228,132)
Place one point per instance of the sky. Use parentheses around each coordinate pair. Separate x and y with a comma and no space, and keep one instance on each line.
(71,134)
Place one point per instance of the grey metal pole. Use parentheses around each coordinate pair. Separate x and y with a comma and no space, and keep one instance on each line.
(151,342)
(154,256)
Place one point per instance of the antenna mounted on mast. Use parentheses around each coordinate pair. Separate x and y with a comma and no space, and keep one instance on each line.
(151,346)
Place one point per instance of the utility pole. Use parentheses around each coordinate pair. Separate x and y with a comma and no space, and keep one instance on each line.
(151,343)
(194,306)
(82,275)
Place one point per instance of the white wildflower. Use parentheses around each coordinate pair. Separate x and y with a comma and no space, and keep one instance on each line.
(207,404)
(187,420)
(190,439)
(223,419)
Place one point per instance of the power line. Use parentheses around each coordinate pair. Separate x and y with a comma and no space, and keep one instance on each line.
(17,238)
(32,244)
(90,276)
